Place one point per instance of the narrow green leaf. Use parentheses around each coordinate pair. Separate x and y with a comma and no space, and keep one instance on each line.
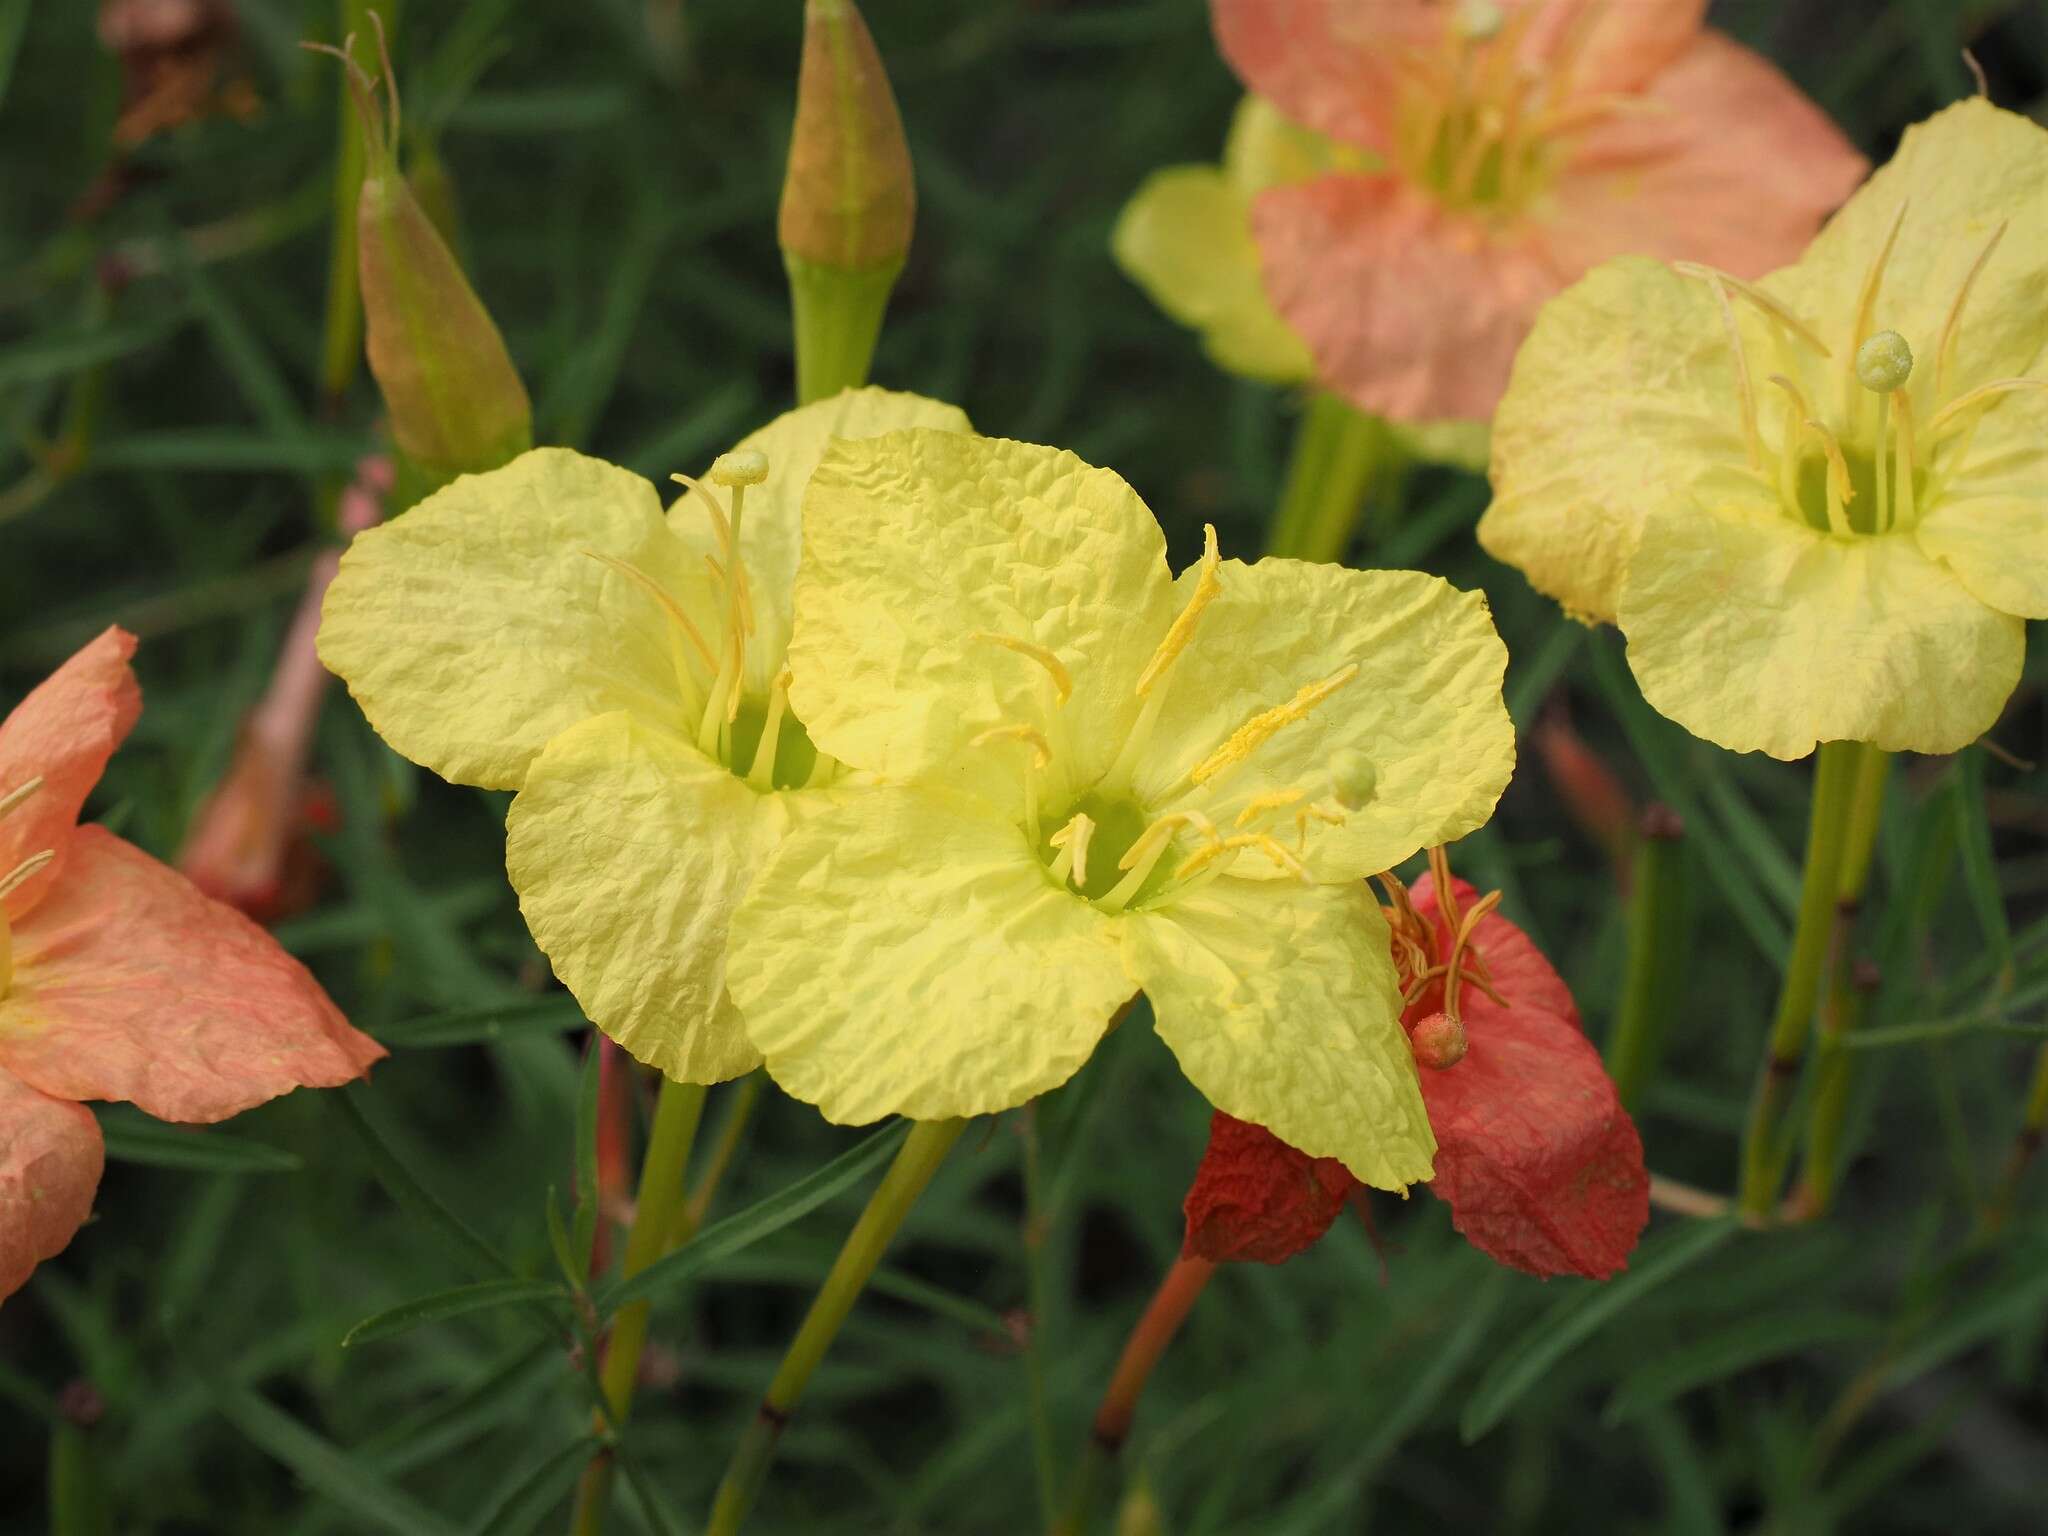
(59,354)
(589,1199)
(1749,1342)
(1987,1313)
(1938,1029)
(262,385)
(309,452)
(403,1186)
(1536,673)
(481,1297)
(323,1466)
(1693,1509)
(651,1508)
(132,1137)
(13,23)
(1980,870)
(478,1026)
(744,1228)
(561,1243)
(530,1500)
(1580,1314)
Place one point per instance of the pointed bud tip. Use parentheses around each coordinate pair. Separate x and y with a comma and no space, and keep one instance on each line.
(848,199)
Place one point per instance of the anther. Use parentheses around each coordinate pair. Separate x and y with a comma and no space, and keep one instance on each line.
(1041,750)
(653,589)
(1946,420)
(1261,728)
(27,869)
(1262,805)
(1944,349)
(744,466)
(1745,389)
(1769,307)
(21,792)
(1840,491)
(1072,840)
(1207,589)
(1062,679)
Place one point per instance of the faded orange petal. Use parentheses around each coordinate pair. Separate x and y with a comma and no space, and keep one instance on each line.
(1255,1199)
(64,732)
(1412,312)
(51,1156)
(131,984)
(1625,41)
(1726,163)
(1331,65)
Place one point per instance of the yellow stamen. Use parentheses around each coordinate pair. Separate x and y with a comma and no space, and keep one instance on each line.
(1770,307)
(1072,840)
(1261,728)
(721,529)
(1903,460)
(1260,805)
(25,870)
(1265,842)
(1745,389)
(1791,451)
(1945,420)
(762,774)
(15,796)
(1207,588)
(1945,348)
(1840,491)
(1062,680)
(1866,304)
(660,594)
(1041,751)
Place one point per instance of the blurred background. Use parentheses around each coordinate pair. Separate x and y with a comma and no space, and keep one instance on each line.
(175,442)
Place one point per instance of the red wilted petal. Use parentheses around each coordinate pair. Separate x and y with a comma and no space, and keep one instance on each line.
(1256,1198)
(131,984)
(64,731)
(1331,65)
(50,1162)
(1540,1163)
(1517,968)
(1728,164)
(1412,311)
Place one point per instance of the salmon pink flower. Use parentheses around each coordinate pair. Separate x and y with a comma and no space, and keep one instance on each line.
(1521,143)
(1541,1165)
(118,978)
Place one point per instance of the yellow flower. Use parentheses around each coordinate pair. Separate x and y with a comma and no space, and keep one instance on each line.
(1817,505)
(547,628)
(1105,781)
(1185,237)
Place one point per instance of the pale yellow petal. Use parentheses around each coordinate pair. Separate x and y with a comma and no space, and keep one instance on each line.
(1281,1004)
(1185,238)
(479,624)
(630,851)
(771,521)
(1989,523)
(1624,397)
(1423,707)
(1761,634)
(905,954)
(920,546)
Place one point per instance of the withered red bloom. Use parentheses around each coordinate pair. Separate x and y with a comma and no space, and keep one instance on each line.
(1541,1166)
(1516,145)
(118,978)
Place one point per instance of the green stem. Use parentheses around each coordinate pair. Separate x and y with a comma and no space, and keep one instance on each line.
(1036,1223)
(1834,777)
(746,1096)
(1337,452)
(1169,1308)
(916,1161)
(661,1192)
(1656,950)
(2025,1146)
(342,332)
(1849,988)
(838,317)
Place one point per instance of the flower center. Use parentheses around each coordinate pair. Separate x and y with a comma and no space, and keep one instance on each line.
(1482,126)
(1117,852)
(759,740)
(1858,457)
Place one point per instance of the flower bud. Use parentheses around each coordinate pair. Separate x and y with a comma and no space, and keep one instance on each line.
(1438,1041)
(848,199)
(456,403)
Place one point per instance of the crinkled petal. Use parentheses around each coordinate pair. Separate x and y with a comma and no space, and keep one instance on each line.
(1960,174)
(1412,311)
(62,733)
(130,984)
(480,624)
(1762,635)
(1280,1001)
(1724,163)
(920,545)
(770,516)
(1257,1200)
(51,1157)
(1424,708)
(1517,969)
(1186,239)
(1333,65)
(1541,1165)
(1990,523)
(904,953)
(1624,398)
(630,851)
